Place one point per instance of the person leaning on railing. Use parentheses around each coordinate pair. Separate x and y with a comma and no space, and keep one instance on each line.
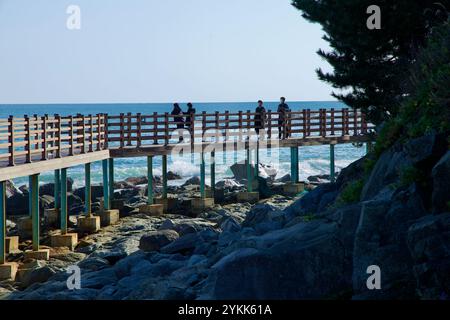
(178,118)
(283,118)
(260,117)
(190,115)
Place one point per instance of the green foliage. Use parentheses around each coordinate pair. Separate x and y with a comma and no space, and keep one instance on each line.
(371,64)
(351,193)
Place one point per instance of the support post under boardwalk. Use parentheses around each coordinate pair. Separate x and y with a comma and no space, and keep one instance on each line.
(87,189)
(213,173)
(106,202)
(57,190)
(150,180)
(63,215)
(332,165)
(202,176)
(164,176)
(2,222)
(111,179)
(294,165)
(34,193)
(30,182)
(257,161)
(248,163)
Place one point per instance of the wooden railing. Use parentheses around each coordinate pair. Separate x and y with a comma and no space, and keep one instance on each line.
(30,139)
(34,138)
(136,130)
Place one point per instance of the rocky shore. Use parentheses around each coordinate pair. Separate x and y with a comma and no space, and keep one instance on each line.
(314,245)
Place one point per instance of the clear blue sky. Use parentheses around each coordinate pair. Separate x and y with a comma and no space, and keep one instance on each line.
(158,51)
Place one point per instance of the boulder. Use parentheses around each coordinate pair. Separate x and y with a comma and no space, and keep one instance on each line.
(192,181)
(284,179)
(96,192)
(49,188)
(137,180)
(265,171)
(228,184)
(155,240)
(173,176)
(426,150)
(441,185)
(186,226)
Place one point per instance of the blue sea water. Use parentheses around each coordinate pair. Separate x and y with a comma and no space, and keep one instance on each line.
(313,160)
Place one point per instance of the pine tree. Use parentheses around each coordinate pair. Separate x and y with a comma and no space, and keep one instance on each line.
(370,66)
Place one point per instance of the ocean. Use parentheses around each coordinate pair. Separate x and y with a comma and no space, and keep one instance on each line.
(313,160)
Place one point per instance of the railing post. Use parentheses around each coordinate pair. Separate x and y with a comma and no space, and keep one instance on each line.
(44,137)
(58,134)
(91,133)
(82,132)
(240,125)
(363,123)
(332,121)
(71,152)
(308,122)
(2,222)
(155,128)
(192,129)
(355,122)
(150,199)
(99,132)
(139,129)
(269,124)
(218,132)
(11,140)
(166,128)
(129,129)
(345,121)
(249,125)
(63,211)
(35,219)
(106,130)
(28,139)
(203,126)
(106,202)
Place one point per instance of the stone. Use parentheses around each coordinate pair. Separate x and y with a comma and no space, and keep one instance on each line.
(52,217)
(89,224)
(441,185)
(285,179)
(11,244)
(25,227)
(154,210)
(294,188)
(41,254)
(108,217)
(169,204)
(155,240)
(69,240)
(250,197)
(8,271)
(228,184)
(200,205)
(96,192)
(184,244)
(192,181)
(173,176)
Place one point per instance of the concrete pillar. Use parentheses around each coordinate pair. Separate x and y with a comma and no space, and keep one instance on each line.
(257,161)
(294,165)
(202,176)
(151,208)
(2,222)
(57,191)
(164,176)
(87,189)
(106,202)
(30,182)
(64,214)
(213,174)
(248,164)
(89,223)
(332,164)
(111,179)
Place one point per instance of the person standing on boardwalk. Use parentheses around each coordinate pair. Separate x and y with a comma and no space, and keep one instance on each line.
(190,115)
(283,116)
(178,118)
(260,117)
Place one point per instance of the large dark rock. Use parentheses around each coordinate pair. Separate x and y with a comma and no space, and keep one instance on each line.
(441,185)
(155,240)
(192,181)
(96,192)
(265,171)
(426,150)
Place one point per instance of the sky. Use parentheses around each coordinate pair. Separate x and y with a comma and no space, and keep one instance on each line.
(158,51)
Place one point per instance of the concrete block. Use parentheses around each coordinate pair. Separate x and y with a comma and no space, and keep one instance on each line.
(8,271)
(293,188)
(154,210)
(89,224)
(42,254)
(117,204)
(250,197)
(108,217)
(200,205)
(52,217)
(69,240)
(169,203)
(25,227)
(11,244)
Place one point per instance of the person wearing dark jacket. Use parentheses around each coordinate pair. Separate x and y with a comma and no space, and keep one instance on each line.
(260,117)
(283,110)
(178,117)
(190,113)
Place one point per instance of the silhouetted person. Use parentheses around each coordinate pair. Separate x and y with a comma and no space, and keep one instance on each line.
(190,113)
(283,116)
(178,119)
(260,117)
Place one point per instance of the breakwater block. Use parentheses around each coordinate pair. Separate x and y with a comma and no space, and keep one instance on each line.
(25,227)
(52,217)
(293,188)
(108,217)
(11,244)
(199,205)
(154,210)
(250,197)
(89,224)
(42,254)
(169,203)
(8,271)
(69,240)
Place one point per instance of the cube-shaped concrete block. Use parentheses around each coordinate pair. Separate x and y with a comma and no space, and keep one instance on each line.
(293,188)
(8,271)
(11,244)
(200,205)
(169,203)
(69,240)
(52,216)
(25,227)
(154,210)
(89,224)
(108,217)
(42,254)
(250,197)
